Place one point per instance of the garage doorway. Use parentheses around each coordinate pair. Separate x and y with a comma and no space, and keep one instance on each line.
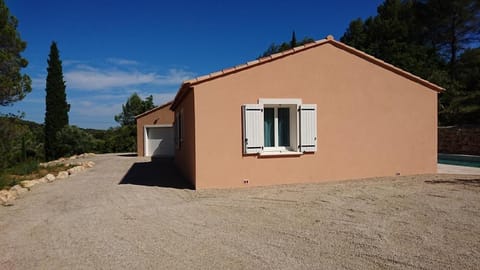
(159,141)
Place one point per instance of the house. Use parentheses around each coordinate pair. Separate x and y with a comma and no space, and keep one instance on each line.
(155,132)
(322,111)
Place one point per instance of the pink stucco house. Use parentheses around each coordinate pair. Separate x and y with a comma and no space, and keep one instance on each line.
(323,111)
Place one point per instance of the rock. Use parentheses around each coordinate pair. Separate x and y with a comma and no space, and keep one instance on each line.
(4,194)
(88,164)
(76,169)
(62,175)
(18,190)
(7,197)
(42,180)
(73,157)
(29,183)
(50,177)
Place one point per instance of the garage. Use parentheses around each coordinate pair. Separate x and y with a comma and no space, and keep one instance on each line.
(155,136)
(159,141)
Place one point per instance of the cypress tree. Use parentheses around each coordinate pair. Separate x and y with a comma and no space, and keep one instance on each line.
(293,41)
(56,113)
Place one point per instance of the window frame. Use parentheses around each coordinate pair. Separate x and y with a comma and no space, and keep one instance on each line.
(276,147)
(293,105)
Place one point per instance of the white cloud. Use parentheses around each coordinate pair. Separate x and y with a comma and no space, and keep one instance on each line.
(160,99)
(70,62)
(174,77)
(122,62)
(96,110)
(39,82)
(106,79)
(97,90)
(89,78)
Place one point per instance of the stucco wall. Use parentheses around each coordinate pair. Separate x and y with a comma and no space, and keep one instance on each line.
(459,140)
(161,116)
(185,155)
(371,122)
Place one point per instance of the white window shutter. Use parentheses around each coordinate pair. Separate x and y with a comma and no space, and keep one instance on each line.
(308,127)
(252,128)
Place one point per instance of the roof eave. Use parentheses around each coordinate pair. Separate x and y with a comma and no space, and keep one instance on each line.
(180,95)
(154,109)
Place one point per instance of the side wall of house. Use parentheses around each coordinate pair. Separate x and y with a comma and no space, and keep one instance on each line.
(162,116)
(185,152)
(370,121)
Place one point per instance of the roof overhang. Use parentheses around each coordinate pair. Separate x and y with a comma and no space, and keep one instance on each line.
(154,109)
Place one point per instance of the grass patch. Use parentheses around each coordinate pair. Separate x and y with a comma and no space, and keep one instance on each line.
(28,170)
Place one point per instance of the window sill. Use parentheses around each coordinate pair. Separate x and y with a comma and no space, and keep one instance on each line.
(285,153)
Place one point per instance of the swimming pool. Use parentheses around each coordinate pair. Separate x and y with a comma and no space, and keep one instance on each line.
(461,160)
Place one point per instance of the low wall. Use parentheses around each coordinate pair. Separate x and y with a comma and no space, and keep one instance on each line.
(459,140)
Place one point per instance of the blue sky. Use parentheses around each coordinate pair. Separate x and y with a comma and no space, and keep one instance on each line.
(111,49)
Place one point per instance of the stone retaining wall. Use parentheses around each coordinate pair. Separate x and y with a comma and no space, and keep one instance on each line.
(459,140)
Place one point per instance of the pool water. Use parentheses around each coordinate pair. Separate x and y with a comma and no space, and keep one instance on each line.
(460,160)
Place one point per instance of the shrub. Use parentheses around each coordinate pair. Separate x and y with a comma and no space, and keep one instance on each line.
(71,140)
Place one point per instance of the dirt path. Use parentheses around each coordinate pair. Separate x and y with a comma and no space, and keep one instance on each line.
(91,222)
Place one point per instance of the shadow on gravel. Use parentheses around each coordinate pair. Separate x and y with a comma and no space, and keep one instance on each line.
(160,172)
(128,155)
(469,182)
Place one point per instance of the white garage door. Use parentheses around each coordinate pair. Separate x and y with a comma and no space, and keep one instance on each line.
(159,141)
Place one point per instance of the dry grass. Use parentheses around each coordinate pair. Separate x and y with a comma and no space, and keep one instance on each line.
(28,171)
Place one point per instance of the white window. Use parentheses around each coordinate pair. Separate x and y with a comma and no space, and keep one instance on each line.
(279,126)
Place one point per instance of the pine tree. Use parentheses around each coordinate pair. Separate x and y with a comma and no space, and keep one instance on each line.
(13,85)
(56,114)
(133,107)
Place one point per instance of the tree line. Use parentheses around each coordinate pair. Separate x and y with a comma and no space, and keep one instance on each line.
(24,141)
(437,40)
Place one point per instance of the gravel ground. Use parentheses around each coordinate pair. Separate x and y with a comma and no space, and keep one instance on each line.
(90,221)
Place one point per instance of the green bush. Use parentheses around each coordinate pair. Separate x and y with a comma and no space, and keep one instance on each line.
(72,140)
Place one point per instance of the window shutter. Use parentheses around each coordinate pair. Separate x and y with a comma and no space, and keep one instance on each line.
(252,128)
(308,128)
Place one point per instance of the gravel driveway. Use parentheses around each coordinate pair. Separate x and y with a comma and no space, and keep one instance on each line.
(90,221)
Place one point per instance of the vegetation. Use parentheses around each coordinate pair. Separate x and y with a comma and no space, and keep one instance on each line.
(429,38)
(28,170)
(17,141)
(72,140)
(123,138)
(285,46)
(13,85)
(56,114)
(133,107)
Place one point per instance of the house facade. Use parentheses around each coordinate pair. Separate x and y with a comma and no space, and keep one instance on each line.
(155,133)
(323,111)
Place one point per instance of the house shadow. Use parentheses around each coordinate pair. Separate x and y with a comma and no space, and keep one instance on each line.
(160,172)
